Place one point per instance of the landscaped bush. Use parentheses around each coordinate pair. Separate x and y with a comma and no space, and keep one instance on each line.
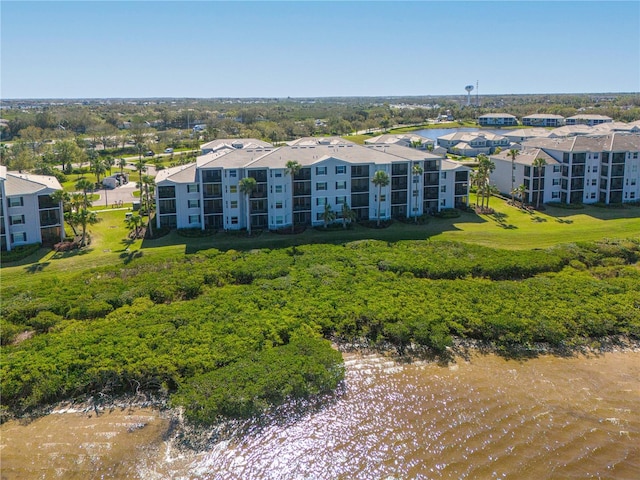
(448,213)
(19,253)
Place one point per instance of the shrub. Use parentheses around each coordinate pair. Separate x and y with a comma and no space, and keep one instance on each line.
(448,213)
(20,253)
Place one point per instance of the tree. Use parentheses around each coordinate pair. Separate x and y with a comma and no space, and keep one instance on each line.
(513,153)
(148,186)
(293,168)
(121,164)
(247,187)
(141,168)
(417,171)
(328,215)
(520,191)
(539,164)
(86,186)
(83,218)
(485,169)
(348,215)
(380,179)
(491,190)
(98,167)
(134,222)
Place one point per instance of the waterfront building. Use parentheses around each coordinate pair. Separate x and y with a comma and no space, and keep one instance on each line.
(471,144)
(497,120)
(588,119)
(27,212)
(333,172)
(543,120)
(404,139)
(580,169)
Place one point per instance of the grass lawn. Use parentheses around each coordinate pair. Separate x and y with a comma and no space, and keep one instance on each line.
(508,228)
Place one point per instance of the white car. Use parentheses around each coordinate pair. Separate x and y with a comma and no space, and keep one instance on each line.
(168,150)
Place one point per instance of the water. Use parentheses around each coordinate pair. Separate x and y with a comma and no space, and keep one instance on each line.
(480,418)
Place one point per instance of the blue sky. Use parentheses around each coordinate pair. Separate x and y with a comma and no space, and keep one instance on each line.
(306,49)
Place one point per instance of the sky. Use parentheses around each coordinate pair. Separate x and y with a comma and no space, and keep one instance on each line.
(206,49)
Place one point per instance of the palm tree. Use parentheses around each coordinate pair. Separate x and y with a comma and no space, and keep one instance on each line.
(521,191)
(293,168)
(348,215)
(491,190)
(122,163)
(134,222)
(539,163)
(83,218)
(328,215)
(417,171)
(86,186)
(148,185)
(141,168)
(485,169)
(247,187)
(380,179)
(513,153)
(98,167)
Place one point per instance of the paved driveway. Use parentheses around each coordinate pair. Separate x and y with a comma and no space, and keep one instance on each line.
(122,194)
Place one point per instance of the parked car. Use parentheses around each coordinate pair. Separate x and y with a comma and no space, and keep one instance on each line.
(168,150)
(149,153)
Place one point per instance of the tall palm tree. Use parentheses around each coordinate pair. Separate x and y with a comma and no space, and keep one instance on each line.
(348,215)
(380,179)
(134,222)
(247,187)
(417,170)
(148,186)
(485,169)
(141,168)
(122,163)
(293,168)
(86,186)
(521,192)
(328,215)
(513,153)
(539,163)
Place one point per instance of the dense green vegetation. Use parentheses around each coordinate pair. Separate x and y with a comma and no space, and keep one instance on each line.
(230,333)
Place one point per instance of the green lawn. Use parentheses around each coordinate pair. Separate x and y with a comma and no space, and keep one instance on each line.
(509,228)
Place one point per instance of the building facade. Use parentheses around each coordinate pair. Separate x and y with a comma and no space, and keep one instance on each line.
(471,144)
(543,120)
(497,120)
(27,212)
(589,120)
(581,169)
(333,172)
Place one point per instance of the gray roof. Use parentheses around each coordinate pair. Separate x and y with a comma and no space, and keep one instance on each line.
(613,142)
(405,153)
(587,116)
(180,174)
(497,115)
(527,156)
(407,138)
(234,143)
(544,115)
(27,184)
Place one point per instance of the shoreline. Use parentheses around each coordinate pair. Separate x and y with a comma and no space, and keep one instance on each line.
(462,349)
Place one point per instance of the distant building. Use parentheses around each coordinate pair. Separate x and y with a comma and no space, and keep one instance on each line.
(232,144)
(589,120)
(471,144)
(497,120)
(404,140)
(27,212)
(543,120)
(334,172)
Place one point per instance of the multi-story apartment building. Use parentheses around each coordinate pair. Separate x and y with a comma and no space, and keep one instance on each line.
(590,120)
(27,212)
(543,120)
(403,139)
(334,172)
(580,169)
(497,120)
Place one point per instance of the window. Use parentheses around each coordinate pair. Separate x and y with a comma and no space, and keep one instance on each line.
(194,219)
(341,200)
(194,203)
(319,216)
(383,198)
(594,182)
(633,194)
(321,201)
(556,169)
(443,203)
(556,181)
(341,169)
(234,220)
(278,188)
(341,185)
(443,189)
(416,193)
(279,219)
(234,203)
(278,174)
(635,154)
(17,219)
(321,186)
(166,192)
(233,189)
(233,173)
(193,188)
(278,204)
(18,237)
(595,169)
(555,194)
(321,170)
(593,195)
(443,175)
(416,179)
(16,202)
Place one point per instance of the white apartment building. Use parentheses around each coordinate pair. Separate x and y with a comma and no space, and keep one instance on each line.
(580,169)
(333,172)
(543,120)
(588,119)
(27,212)
(471,144)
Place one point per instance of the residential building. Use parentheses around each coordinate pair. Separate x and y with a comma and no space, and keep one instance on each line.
(497,120)
(581,169)
(232,144)
(543,120)
(27,212)
(586,119)
(471,144)
(334,172)
(522,134)
(405,140)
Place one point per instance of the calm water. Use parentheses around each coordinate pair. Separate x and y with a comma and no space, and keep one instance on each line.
(545,418)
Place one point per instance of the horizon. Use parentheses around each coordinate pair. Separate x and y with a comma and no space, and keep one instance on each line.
(102,50)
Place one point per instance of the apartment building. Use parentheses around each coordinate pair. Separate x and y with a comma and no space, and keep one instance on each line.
(334,172)
(27,212)
(497,120)
(404,140)
(580,169)
(543,120)
(586,119)
(471,144)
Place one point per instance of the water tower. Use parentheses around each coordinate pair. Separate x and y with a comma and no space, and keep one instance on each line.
(469,89)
